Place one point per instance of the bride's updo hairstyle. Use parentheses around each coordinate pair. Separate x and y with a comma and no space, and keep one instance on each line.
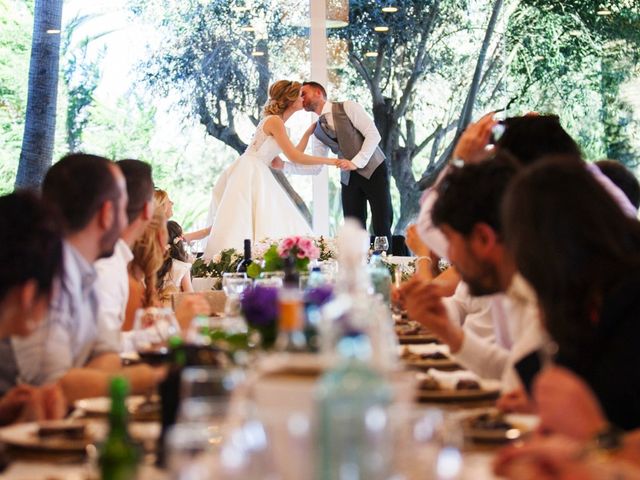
(281,94)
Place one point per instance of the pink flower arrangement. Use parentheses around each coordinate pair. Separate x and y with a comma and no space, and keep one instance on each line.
(300,247)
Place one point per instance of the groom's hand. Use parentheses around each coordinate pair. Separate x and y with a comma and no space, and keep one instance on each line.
(346,165)
(277,163)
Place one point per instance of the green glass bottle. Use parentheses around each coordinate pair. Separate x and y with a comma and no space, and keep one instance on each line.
(119,456)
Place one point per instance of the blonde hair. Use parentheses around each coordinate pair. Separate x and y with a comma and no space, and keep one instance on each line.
(149,255)
(161,199)
(281,95)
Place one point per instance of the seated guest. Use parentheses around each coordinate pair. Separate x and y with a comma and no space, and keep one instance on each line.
(527,139)
(73,346)
(149,253)
(581,254)
(623,178)
(30,257)
(112,284)
(581,445)
(467,211)
(163,201)
(175,273)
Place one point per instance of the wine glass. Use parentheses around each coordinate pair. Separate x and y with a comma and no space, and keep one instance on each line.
(152,328)
(233,285)
(380,244)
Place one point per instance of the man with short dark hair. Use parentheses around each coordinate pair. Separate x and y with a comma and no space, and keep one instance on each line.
(348,131)
(113,280)
(73,347)
(467,211)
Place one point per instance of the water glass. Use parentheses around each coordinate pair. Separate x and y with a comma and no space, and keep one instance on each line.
(380,244)
(152,328)
(234,284)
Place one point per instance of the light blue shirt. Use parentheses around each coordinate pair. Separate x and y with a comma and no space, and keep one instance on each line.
(72,334)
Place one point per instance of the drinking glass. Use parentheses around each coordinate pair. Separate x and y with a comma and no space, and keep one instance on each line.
(205,394)
(380,244)
(152,328)
(233,285)
(430,443)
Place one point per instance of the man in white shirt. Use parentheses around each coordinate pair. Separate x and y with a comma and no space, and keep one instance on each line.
(112,284)
(346,129)
(467,212)
(73,347)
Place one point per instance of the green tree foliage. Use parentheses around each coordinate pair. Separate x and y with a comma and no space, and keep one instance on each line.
(568,59)
(16,21)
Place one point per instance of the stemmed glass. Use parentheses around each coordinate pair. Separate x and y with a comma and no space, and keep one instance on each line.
(380,244)
(152,329)
(233,285)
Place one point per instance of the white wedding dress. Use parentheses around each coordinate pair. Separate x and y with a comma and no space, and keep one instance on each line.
(248,202)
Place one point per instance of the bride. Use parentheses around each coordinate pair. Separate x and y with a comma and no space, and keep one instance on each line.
(247,201)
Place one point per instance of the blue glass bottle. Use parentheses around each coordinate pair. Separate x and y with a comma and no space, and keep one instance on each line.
(380,277)
(353,429)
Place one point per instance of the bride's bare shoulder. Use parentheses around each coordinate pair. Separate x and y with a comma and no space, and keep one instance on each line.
(272,122)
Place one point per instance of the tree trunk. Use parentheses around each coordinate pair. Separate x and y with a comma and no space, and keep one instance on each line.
(40,121)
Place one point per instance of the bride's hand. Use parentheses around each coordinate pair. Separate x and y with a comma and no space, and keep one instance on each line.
(277,163)
(346,165)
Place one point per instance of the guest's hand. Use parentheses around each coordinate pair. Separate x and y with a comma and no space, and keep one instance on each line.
(53,401)
(541,457)
(423,302)
(190,307)
(346,165)
(13,403)
(473,146)
(277,163)
(415,244)
(515,401)
(567,405)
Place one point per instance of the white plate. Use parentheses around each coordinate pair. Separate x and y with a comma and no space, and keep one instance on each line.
(523,424)
(102,405)
(25,435)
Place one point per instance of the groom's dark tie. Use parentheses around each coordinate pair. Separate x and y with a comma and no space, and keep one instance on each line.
(324,124)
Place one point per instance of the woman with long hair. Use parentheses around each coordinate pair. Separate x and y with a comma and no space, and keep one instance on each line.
(149,253)
(581,254)
(175,274)
(247,200)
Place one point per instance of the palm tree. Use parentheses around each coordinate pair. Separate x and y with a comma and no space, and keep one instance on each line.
(40,121)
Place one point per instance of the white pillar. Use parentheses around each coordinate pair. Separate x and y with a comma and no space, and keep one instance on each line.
(317,10)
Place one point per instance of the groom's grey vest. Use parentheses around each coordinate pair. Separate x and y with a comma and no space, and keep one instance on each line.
(347,142)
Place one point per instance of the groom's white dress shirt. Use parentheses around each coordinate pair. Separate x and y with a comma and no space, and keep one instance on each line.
(360,120)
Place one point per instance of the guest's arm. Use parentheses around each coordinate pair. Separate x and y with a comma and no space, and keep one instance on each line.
(197,235)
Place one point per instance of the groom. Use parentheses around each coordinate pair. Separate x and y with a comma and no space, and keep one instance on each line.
(346,129)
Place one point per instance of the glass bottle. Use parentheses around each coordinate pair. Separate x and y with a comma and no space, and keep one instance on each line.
(119,456)
(246,261)
(353,429)
(380,277)
(290,312)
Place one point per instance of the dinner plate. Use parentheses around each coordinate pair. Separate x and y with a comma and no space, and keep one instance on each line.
(136,404)
(521,425)
(417,339)
(490,389)
(424,364)
(25,436)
